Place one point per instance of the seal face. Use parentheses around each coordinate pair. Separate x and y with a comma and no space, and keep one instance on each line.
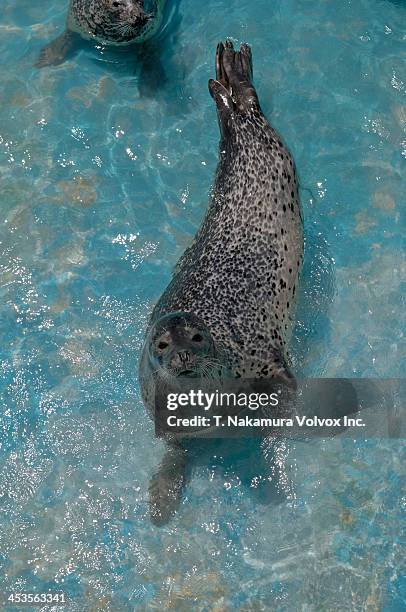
(240,274)
(109,22)
(180,344)
(113,22)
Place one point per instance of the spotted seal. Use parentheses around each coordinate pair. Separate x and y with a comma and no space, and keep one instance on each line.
(231,301)
(109,22)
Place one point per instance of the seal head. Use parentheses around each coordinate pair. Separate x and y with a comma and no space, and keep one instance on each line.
(181,345)
(110,21)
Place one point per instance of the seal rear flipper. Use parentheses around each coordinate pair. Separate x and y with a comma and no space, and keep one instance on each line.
(166,486)
(233,89)
(57,51)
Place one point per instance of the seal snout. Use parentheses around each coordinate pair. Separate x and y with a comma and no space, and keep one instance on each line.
(136,14)
(139,20)
(131,12)
(184,363)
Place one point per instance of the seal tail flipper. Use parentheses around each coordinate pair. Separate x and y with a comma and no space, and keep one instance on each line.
(57,51)
(233,88)
(165,489)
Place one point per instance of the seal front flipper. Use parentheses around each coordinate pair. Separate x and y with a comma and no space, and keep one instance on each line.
(58,50)
(165,489)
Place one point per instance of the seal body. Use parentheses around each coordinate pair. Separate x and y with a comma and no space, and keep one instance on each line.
(239,277)
(241,273)
(108,22)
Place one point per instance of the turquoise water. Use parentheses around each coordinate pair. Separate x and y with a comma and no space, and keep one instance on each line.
(105,167)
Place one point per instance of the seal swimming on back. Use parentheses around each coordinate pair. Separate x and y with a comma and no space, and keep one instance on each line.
(109,22)
(231,301)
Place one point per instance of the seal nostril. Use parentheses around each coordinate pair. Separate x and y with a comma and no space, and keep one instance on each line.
(197,338)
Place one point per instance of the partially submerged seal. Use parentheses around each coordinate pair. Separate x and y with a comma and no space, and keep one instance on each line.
(109,22)
(230,303)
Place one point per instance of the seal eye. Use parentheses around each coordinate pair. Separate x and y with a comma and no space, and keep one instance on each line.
(162,345)
(197,338)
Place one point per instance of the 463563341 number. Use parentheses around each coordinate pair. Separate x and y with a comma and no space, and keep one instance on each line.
(36,598)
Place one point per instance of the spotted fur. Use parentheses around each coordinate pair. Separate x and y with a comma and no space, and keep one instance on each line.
(240,276)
